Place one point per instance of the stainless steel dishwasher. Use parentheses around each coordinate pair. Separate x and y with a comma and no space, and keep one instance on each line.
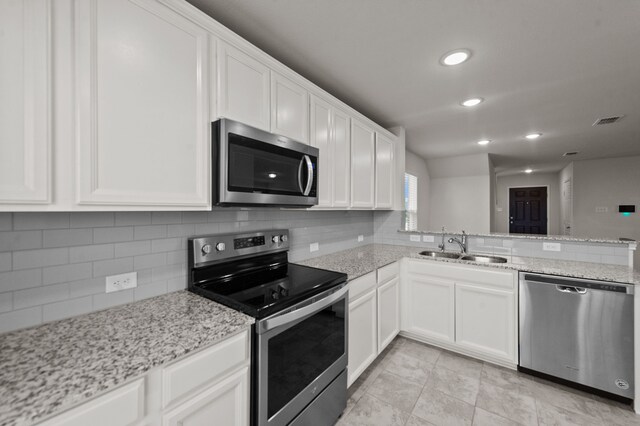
(578,330)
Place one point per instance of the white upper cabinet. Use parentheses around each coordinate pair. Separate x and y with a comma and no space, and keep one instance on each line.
(25,132)
(320,137)
(142,102)
(385,181)
(330,133)
(289,108)
(362,165)
(341,159)
(243,88)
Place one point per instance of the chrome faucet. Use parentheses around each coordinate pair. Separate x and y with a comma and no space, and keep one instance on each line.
(441,245)
(462,242)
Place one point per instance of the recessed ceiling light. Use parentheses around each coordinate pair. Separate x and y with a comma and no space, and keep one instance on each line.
(472,102)
(529,171)
(484,142)
(455,57)
(533,136)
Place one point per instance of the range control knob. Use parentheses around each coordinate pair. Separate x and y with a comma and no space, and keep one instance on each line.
(275,239)
(206,249)
(220,246)
(283,238)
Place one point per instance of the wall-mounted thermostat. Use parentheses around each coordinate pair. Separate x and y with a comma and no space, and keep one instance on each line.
(626,209)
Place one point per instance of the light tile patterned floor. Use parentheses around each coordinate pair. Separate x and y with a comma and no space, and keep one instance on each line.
(414,384)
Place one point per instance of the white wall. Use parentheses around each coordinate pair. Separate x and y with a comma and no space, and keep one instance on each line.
(460,203)
(503,183)
(460,193)
(606,183)
(418,167)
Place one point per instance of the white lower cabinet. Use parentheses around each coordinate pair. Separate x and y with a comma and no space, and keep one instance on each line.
(224,403)
(363,343)
(466,309)
(374,316)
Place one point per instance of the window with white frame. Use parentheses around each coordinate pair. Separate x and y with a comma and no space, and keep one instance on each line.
(410,221)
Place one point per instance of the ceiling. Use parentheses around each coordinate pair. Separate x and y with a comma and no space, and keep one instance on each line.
(546,66)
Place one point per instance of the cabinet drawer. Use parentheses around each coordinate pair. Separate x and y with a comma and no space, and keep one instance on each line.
(121,407)
(361,285)
(190,374)
(464,273)
(388,272)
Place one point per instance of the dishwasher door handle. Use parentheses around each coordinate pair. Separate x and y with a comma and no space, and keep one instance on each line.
(570,289)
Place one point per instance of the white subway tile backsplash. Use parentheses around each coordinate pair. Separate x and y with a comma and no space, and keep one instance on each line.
(86,287)
(6,222)
(17,280)
(168,244)
(164,218)
(195,217)
(23,240)
(133,218)
(39,258)
(40,295)
(28,221)
(113,234)
(147,261)
(6,302)
(104,268)
(133,248)
(150,232)
(66,237)
(90,253)
(67,308)
(175,284)
(22,318)
(146,291)
(92,219)
(64,273)
(5,262)
(169,271)
(183,230)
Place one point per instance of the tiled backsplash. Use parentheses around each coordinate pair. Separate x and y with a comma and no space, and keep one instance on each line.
(386,225)
(53,265)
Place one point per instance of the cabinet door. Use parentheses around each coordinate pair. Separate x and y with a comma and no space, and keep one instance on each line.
(341,159)
(486,320)
(363,347)
(243,87)
(289,108)
(388,313)
(142,103)
(385,181)
(320,137)
(25,133)
(362,165)
(226,403)
(430,303)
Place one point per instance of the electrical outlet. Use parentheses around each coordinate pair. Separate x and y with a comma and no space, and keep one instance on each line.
(415,238)
(122,282)
(360,238)
(314,247)
(551,246)
(428,238)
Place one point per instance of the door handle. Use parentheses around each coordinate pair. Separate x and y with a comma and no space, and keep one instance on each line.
(299,173)
(306,159)
(570,289)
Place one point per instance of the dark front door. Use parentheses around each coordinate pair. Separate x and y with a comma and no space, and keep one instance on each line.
(528,210)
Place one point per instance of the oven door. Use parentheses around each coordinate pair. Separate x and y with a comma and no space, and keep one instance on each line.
(257,167)
(298,354)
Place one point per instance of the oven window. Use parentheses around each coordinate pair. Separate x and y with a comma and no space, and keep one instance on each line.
(300,354)
(256,166)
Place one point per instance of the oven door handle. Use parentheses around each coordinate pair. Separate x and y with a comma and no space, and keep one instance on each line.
(272,323)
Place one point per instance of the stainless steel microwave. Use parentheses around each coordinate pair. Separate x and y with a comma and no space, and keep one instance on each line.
(254,167)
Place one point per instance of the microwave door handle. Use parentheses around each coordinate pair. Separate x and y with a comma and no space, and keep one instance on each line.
(309,175)
(299,175)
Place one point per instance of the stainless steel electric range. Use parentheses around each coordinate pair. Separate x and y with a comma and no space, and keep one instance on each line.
(299,345)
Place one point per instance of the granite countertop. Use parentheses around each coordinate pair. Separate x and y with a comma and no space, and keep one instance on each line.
(567,238)
(362,260)
(47,369)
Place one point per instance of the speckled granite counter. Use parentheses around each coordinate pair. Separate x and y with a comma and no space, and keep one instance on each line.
(52,367)
(361,260)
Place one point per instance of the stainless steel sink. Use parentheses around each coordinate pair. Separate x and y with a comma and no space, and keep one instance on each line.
(430,253)
(484,259)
